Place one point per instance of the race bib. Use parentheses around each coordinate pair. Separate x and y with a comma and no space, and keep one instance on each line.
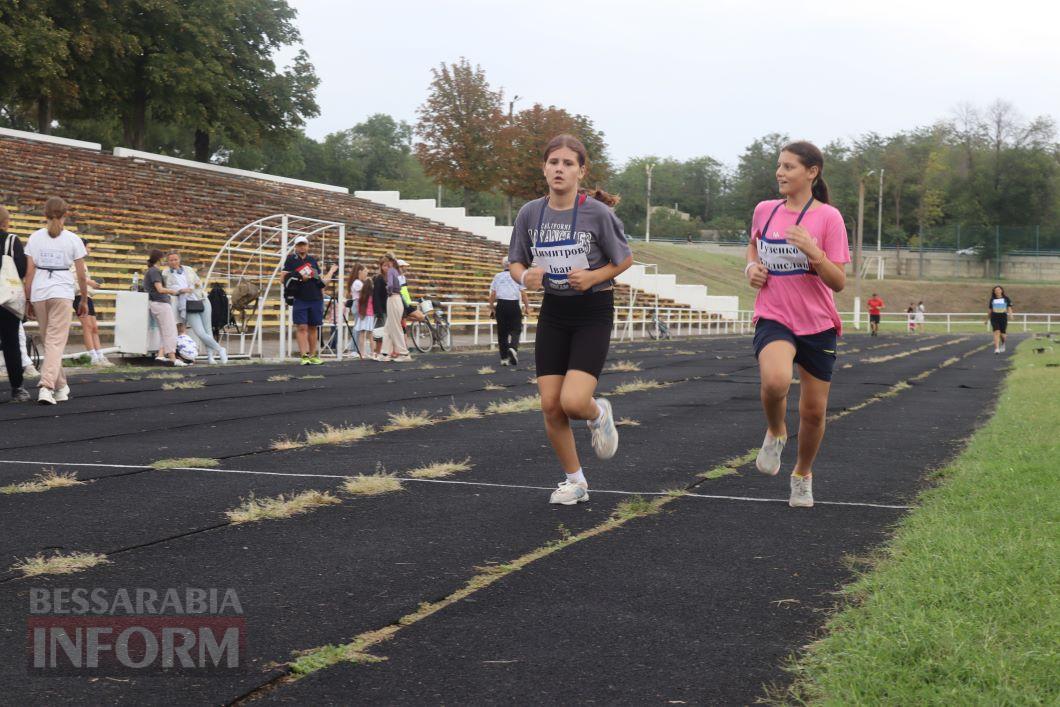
(52,259)
(782,258)
(559,259)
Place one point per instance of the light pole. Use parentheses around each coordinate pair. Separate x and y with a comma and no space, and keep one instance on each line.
(879,217)
(859,237)
(511,113)
(647,222)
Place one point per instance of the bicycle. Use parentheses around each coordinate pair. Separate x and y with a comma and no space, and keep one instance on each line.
(658,328)
(434,329)
(34,351)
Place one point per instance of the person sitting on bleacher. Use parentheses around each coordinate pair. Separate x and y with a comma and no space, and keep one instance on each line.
(191,305)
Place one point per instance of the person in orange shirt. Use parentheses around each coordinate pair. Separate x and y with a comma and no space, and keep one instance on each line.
(875,305)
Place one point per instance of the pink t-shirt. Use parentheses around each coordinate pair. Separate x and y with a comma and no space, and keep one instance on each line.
(794,294)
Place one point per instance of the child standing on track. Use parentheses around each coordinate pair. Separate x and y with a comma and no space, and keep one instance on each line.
(998,309)
(577,247)
(795,260)
(875,305)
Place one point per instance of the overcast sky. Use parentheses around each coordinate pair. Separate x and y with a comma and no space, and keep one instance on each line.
(684,79)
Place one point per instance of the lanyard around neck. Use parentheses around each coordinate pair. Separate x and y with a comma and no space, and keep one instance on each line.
(765,229)
(573,219)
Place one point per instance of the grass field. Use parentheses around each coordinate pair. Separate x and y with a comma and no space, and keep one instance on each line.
(723,275)
(962,607)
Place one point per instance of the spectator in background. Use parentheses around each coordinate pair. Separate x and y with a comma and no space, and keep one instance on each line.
(308,292)
(920,316)
(10,325)
(379,298)
(361,310)
(28,369)
(158,300)
(192,307)
(508,301)
(89,324)
(393,335)
(50,294)
(910,318)
(412,311)
(875,305)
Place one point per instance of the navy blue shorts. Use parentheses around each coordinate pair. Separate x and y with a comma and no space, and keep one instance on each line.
(814,352)
(309,312)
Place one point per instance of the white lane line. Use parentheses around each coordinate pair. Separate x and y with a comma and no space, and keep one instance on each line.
(486,484)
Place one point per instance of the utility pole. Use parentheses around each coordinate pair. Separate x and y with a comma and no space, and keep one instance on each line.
(511,113)
(647,222)
(859,235)
(879,217)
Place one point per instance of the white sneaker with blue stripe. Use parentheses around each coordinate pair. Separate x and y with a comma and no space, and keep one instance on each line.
(604,432)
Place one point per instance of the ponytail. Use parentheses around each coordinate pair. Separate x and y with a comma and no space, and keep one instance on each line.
(54,210)
(820,190)
(601,195)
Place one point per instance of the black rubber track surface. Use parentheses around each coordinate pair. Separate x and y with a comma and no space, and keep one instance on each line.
(636,608)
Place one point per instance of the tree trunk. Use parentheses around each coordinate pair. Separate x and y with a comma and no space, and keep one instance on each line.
(44,114)
(134,122)
(467,200)
(510,210)
(202,145)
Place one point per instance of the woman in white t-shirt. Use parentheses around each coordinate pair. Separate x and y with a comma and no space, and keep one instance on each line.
(363,317)
(50,290)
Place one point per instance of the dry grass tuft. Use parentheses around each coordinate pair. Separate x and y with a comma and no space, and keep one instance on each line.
(185,462)
(371,484)
(523,404)
(185,385)
(285,443)
(627,422)
(58,564)
(310,378)
(164,376)
(468,412)
(490,385)
(408,420)
(637,385)
(624,367)
(278,379)
(338,435)
(48,479)
(254,509)
(486,370)
(440,470)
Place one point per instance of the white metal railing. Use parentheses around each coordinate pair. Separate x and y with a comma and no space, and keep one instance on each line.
(959,321)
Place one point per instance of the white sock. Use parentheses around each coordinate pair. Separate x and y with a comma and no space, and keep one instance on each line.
(577,477)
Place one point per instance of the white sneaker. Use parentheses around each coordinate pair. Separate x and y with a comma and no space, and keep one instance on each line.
(514,356)
(504,362)
(605,434)
(569,494)
(402,359)
(768,461)
(104,362)
(46,397)
(997,349)
(62,395)
(1002,347)
(162,359)
(178,363)
(210,360)
(30,371)
(801,492)
(224,356)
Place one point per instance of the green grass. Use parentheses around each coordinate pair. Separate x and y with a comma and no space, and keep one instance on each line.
(962,606)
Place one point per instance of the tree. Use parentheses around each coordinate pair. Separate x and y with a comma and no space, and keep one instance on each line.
(523,140)
(459,127)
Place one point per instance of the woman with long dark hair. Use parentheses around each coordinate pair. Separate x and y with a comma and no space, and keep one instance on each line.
(796,261)
(998,309)
(577,247)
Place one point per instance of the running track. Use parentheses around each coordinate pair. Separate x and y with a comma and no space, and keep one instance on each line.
(701,603)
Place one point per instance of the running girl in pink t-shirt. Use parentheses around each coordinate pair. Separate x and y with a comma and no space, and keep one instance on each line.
(795,260)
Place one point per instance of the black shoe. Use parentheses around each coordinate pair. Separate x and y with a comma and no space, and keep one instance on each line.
(20,395)
(513,357)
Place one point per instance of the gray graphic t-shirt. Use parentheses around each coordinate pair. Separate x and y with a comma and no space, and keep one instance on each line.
(599,240)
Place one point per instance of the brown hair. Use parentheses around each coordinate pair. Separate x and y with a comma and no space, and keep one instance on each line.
(573,143)
(54,209)
(811,156)
(354,269)
(362,301)
(153,256)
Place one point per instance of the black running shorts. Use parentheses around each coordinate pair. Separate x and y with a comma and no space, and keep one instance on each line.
(999,322)
(574,333)
(814,352)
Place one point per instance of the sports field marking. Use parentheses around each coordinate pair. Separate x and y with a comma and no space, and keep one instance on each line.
(488,484)
(910,352)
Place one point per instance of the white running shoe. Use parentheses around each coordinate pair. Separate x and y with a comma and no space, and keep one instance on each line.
(224,356)
(768,461)
(569,494)
(62,395)
(504,362)
(1002,347)
(178,363)
(605,434)
(210,360)
(514,356)
(30,371)
(104,362)
(46,397)
(801,492)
